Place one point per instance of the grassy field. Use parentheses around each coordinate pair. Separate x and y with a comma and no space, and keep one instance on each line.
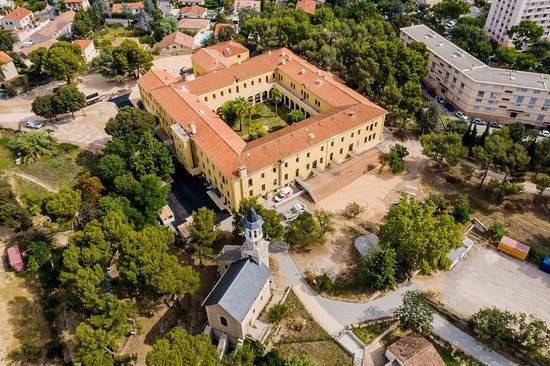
(368,334)
(302,335)
(264,114)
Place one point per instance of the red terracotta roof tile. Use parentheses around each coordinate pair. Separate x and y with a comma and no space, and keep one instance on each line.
(18,13)
(178,38)
(5,58)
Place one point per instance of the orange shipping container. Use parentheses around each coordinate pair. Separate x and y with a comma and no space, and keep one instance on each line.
(513,247)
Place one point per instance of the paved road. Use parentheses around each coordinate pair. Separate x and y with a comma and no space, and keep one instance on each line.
(333,315)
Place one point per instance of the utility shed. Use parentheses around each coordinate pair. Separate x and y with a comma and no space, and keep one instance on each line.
(14,256)
(513,247)
(367,245)
(545,265)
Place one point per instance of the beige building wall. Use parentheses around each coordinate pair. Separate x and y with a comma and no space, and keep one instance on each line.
(175,49)
(89,53)
(9,71)
(26,23)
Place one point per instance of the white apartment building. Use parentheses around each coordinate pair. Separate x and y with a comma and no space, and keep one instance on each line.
(479,90)
(506,13)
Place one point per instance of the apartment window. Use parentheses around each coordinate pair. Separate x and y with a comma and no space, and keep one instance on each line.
(332,143)
(540,118)
(206,99)
(374,136)
(297,159)
(221,93)
(508,91)
(307,166)
(532,100)
(476,107)
(480,93)
(263,175)
(479,100)
(321,160)
(286,164)
(237,87)
(274,170)
(536,91)
(244,86)
(352,134)
(365,141)
(251,193)
(461,85)
(250,183)
(350,147)
(493,95)
(523,90)
(286,176)
(330,156)
(297,172)
(307,155)
(342,139)
(263,187)
(223,321)
(229,91)
(322,148)
(341,151)
(213,96)
(266,78)
(519,99)
(252,82)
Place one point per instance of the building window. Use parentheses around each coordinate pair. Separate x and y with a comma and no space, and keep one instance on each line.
(274,170)
(263,175)
(251,193)
(322,148)
(286,176)
(307,166)
(263,187)
(274,182)
(307,155)
(286,164)
(250,182)
(297,172)
(223,321)
(341,151)
(342,139)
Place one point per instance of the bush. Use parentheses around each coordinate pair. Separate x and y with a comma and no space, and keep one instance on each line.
(324,283)
(150,40)
(502,190)
(353,209)
(255,131)
(498,230)
(277,313)
(30,351)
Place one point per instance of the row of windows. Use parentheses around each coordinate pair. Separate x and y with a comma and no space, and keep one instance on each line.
(237,88)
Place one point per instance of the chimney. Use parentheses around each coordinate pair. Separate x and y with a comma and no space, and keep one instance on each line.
(302,71)
(242,171)
(193,128)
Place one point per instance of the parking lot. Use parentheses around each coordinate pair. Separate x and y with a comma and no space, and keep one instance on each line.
(488,278)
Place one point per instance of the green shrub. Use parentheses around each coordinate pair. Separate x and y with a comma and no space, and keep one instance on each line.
(462,209)
(324,283)
(277,313)
(30,351)
(498,230)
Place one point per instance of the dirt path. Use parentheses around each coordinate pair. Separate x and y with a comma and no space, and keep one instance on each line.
(32,179)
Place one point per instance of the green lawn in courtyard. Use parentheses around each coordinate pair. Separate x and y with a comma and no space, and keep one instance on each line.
(264,114)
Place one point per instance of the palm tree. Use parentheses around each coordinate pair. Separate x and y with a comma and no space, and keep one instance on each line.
(276,97)
(241,110)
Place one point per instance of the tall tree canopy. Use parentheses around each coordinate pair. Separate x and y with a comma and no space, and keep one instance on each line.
(63,61)
(419,235)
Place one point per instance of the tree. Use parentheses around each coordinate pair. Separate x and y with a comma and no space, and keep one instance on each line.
(138,61)
(147,268)
(109,67)
(84,23)
(353,209)
(299,360)
(516,131)
(326,221)
(395,158)
(203,231)
(181,348)
(492,147)
(6,40)
(69,99)
(110,167)
(294,116)
(273,228)
(542,183)
(276,98)
(415,313)
(130,123)
(525,33)
(304,232)
(164,27)
(471,37)
(44,106)
(446,150)
(450,9)
(503,189)
(30,351)
(379,272)
(39,253)
(420,236)
(35,144)
(241,108)
(512,159)
(255,131)
(62,205)
(151,156)
(63,61)
(462,209)
(100,9)
(12,214)
(90,188)
(431,118)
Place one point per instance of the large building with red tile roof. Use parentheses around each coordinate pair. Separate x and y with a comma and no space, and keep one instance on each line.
(177,43)
(192,12)
(339,123)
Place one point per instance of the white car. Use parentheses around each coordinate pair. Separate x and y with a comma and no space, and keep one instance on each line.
(461,115)
(544,133)
(298,208)
(285,193)
(440,100)
(479,121)
(31,123)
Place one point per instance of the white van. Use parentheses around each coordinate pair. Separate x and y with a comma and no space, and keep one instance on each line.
(285,193)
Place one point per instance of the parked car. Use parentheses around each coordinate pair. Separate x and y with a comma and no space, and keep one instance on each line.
(440,100)
(461,115)
(479,121)
(495,124)
(285,193)
(431,93)
(31,123)
(298,208)
(544,133)
(449,107)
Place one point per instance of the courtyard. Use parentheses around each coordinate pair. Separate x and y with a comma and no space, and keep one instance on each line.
(265,116)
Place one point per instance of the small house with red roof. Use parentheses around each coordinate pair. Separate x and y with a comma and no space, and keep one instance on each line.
(7,68)
(306,5)
(192,12)
(57,28)
(19,19)
(89,52)
(132,8)
(177,43)
(76,4)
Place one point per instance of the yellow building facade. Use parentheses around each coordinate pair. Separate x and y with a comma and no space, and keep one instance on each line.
(340,123)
